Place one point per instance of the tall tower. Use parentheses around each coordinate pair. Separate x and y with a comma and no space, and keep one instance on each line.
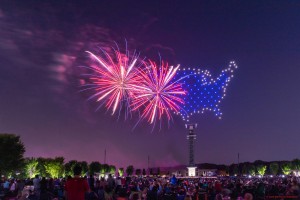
(191,137)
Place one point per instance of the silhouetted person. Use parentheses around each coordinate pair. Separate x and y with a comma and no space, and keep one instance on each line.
(111,182)
(37,186)
(43,187)
(92,182)
(76,187)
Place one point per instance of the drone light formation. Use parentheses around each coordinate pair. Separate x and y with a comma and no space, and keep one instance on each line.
(155,90)
(203,92)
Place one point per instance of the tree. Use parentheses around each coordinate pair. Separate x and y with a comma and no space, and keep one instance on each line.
(105,169)
(55,167)
(41,166)
(84,167)
(286,168)
(138,172)
(226,169)
(251,169)
(144,172)
(31,167)
(121,171)
(261,169)
(296,165)
(11,153)
(245,170)
(233,169)
(94,167)
(158,171)
(129,170)
(112,169)
(69,167)
(274,168)
(258,162)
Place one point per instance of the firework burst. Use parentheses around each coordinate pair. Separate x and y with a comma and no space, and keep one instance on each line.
(113,79)
(159,94)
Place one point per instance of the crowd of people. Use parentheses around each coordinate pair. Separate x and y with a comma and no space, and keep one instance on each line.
(151,188)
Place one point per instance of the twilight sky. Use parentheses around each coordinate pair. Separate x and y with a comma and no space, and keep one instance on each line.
(42,43)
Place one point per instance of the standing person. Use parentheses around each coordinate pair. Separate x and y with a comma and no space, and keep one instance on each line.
(20,187)
(43,188)
(76,187)
(6,186)
(37,186)
(173,180)
(92,182)
(118,184)
(13,188)
(111,182)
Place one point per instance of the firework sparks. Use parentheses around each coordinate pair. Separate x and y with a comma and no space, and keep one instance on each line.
(159,93)
(113,79)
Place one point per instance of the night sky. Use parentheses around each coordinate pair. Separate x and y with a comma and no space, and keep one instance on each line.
(42,43)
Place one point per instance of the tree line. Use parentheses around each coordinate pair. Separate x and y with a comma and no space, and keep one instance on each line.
(56,167)
(262,168)
(257,167)
(13,163)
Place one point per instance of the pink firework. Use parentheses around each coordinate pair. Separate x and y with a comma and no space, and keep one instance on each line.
(159,94)
(113,79)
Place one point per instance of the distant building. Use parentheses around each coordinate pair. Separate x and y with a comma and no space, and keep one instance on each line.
(207,172)
(184,172)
